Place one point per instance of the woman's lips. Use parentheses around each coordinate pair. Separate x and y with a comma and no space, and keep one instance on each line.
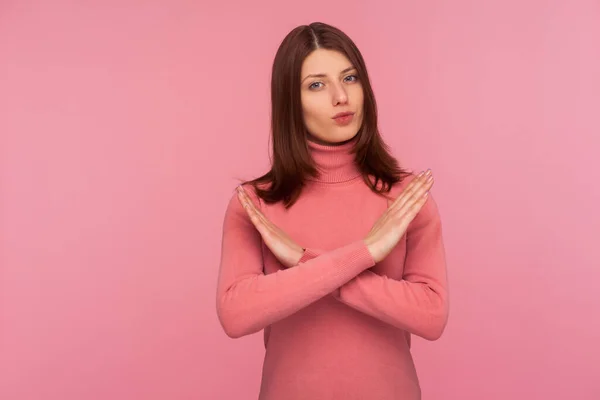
(344,119)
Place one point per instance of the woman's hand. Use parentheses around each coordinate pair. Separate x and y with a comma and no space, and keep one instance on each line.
(281,245)
(392,225)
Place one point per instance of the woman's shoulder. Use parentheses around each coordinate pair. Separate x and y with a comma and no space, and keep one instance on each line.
(430,208)
(250,190)
(234,210)
(398,187)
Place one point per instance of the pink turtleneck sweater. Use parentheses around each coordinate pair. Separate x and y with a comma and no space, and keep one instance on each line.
(337,325)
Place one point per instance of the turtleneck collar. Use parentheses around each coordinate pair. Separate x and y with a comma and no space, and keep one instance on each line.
(334,162)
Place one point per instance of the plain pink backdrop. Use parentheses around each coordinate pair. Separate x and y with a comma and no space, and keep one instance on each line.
(123,125)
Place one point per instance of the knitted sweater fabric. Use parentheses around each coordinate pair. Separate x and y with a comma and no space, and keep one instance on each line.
(337,325)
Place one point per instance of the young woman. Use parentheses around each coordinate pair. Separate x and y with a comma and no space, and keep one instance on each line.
(337,252)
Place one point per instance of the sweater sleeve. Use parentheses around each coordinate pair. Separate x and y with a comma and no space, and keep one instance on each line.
(248,300)
(418,303)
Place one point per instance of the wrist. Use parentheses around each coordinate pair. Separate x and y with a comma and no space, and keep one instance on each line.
(300,256)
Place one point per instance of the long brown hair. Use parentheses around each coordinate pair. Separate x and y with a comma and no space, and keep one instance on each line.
(291,162)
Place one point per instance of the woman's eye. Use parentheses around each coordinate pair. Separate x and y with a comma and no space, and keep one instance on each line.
(314,85)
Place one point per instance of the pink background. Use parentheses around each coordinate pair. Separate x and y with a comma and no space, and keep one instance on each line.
(124,124)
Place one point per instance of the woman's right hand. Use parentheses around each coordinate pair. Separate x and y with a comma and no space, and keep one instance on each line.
(392,225)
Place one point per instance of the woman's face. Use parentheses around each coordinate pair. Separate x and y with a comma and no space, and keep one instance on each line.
(329,86)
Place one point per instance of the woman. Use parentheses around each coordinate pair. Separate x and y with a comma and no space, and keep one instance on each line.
(336,252)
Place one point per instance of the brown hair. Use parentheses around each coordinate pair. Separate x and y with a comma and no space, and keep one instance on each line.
(291,161)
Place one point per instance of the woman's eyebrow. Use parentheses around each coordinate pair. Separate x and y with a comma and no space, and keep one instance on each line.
(350,68)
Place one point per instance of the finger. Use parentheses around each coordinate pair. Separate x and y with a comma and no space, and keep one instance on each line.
(263,230)
(246,203)
(418,197)
(251,205)
(257,217)
(413,188)
(246,200)
(269,231)
(411,208)
(401,200)
(260,227)
(410,188)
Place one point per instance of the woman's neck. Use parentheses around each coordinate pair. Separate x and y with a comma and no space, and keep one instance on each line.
(335,161)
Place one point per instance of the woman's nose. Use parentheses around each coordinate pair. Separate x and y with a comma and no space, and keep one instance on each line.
(339,95)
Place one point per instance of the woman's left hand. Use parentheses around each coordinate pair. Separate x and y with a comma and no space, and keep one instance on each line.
(281,245)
